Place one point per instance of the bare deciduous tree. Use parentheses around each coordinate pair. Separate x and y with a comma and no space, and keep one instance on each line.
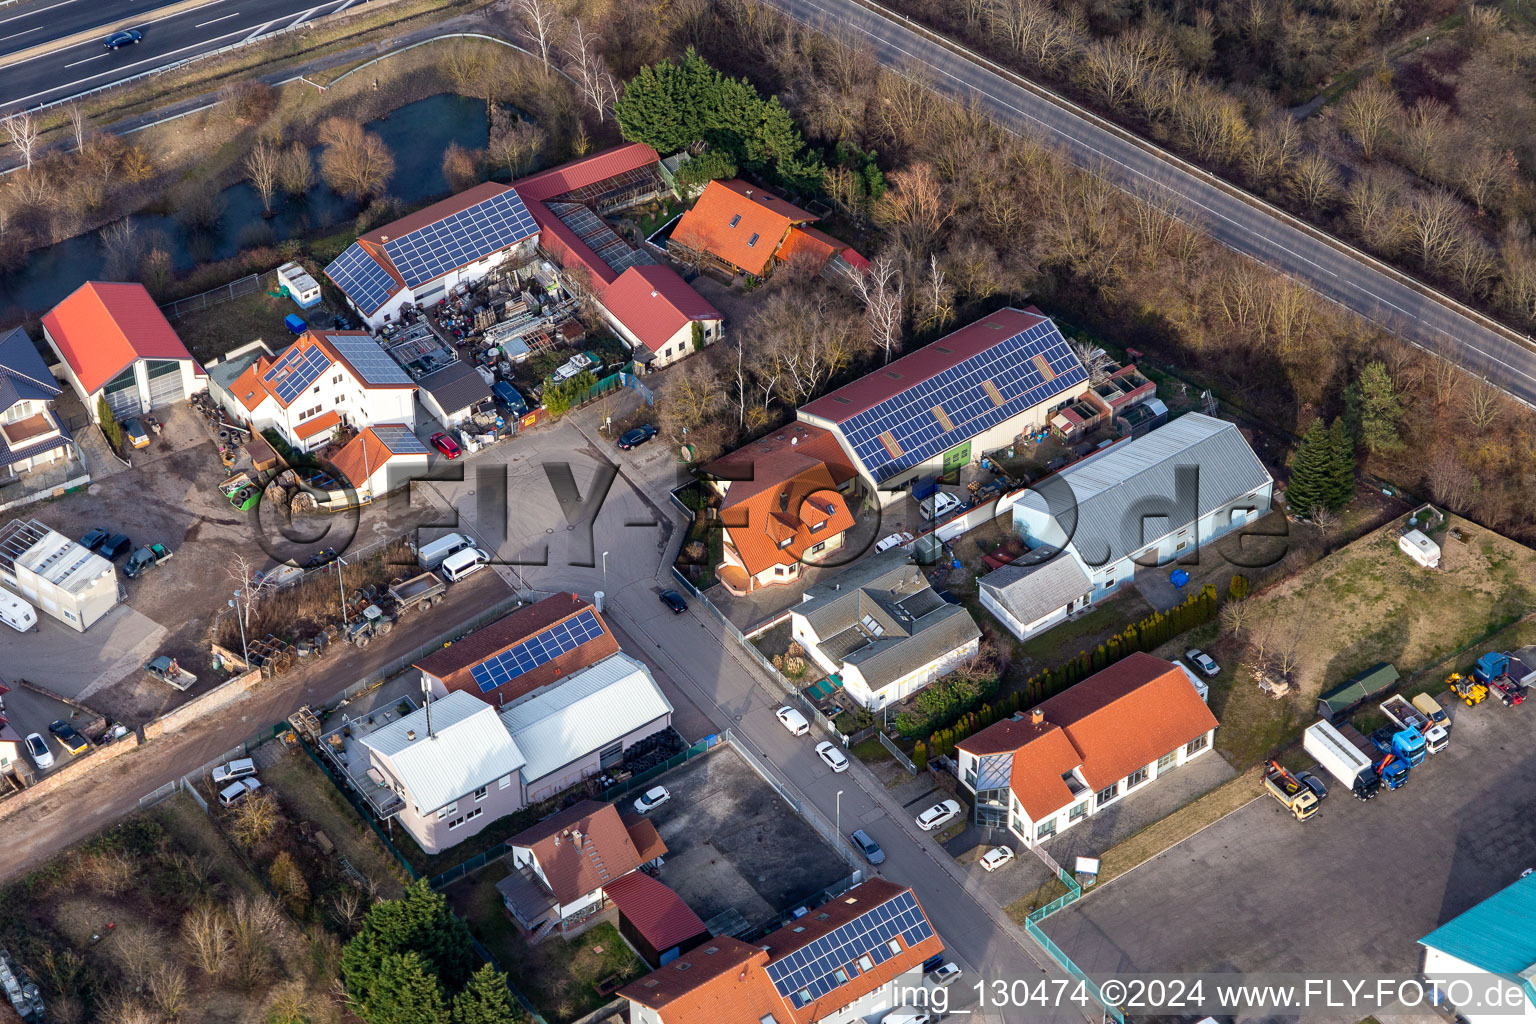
(516,143)
(1423,137)
(255,819)
(1450,481)
(79,124)
(347,906)
(540,19)
(297,171)
(1483,400)
(881,288)
(355,163)
(1314,180)
(1368,114)
(593,79)
(1435,223)
(261,170)
(23,131)
(168,988)
(937,305)
(206,935)
(1487,176)
(1235,616)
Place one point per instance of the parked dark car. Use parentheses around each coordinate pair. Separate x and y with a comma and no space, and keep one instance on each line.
(868,847)
(672,599)
(94,539)
(117,40)
(508,398)
(637,437)
(115,547)
(1313,783)
(68,738)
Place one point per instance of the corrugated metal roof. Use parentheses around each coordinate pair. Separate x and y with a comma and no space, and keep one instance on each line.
(1031,592)
(585,713)
(1498,935)
(1187,469)
(468,748)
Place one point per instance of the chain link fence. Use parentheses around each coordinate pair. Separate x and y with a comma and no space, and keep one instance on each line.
(248,285)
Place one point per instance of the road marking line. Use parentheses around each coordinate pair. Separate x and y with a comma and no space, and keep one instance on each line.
(178,14)
(39,10)
(303,17)
(87,60)
(258,30)
(215,21)
(125,67)
(18,35)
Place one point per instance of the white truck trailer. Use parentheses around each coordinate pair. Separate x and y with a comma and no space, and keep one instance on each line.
(16,613)
(1342,759)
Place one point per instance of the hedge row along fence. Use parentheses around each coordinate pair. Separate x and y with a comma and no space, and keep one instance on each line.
(1147,635)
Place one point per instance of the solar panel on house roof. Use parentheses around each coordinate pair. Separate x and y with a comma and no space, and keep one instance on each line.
(462,238)
(359,275)
(296,370)
(539,649)
(369,359)
(807,974)
(400,440)
(967,393)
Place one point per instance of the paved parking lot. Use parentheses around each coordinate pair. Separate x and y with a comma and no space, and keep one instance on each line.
(1352,889)
(733,843)
(29,712)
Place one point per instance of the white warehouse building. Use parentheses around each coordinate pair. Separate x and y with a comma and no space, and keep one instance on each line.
(59,576)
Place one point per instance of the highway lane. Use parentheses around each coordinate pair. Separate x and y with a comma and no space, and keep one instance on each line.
(168,38)
(1345,277)
(34,22)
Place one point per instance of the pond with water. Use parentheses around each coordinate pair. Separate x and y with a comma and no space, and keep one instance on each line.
(416,134)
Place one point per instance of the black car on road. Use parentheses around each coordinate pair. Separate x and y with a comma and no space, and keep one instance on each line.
(117,40)
(672,599)
(637,437)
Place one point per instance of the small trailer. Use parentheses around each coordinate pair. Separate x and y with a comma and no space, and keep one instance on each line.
(16,613)
(168,671)
(422,591)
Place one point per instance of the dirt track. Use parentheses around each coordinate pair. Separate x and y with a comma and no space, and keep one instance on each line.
(31,836)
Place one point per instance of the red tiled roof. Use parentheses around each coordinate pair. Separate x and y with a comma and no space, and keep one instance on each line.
(610,163)
(642,832)
(654,303)
(758,526)
(248,388)
(432,214)
(567,247)
(580,850)
(655,911)
(102,327)
(325,421)
(778,457)
(363,455)
(452,664)
(929,361)
(727,216)
(1109,725)
(721,982)
(816,248)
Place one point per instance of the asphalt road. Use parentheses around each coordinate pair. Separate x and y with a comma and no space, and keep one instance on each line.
(1266,236)
(88,65)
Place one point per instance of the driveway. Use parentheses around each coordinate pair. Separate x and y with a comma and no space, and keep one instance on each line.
(1351,890)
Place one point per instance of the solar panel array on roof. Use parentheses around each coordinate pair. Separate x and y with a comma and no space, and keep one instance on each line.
(359,275)
(539,649)
(296,370)
(400,440)
(807,974)
(464,237)
(1006,370)
(369,359)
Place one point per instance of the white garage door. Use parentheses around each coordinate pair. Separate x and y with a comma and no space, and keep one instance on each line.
(164,383)
(122,393)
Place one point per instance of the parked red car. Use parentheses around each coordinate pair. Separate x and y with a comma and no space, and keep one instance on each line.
(447,445)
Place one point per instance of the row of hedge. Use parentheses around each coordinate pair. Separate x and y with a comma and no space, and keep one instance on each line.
(1147,635)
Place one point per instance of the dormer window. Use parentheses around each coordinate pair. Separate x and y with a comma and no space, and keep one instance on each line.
(737,220)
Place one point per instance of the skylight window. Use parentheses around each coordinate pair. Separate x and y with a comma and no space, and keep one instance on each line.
(752,241)
(737,220)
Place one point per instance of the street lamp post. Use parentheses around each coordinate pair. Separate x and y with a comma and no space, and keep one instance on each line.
(839,812)
(240,618)
(342,588)
(605,572)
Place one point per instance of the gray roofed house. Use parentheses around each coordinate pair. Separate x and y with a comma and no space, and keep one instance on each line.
(450,393)
(1145,502)
(882,629)
(1031,597)
(31,435)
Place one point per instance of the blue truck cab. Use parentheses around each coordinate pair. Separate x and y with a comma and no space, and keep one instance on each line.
(1406,744)
(1392,770)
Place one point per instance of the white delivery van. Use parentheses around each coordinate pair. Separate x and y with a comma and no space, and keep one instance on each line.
(461,563)
(16,613)
(432,553)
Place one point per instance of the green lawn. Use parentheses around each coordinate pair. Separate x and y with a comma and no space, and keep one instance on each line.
(558,977)
(1061,643)
(871,751)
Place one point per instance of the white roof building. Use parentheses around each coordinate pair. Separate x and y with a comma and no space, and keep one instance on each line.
(571,731)
(59,576)
(465,749)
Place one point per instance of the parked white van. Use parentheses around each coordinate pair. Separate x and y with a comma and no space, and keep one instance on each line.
(16,613)
(461,563)
(938,505)
(432,553)
(236,790)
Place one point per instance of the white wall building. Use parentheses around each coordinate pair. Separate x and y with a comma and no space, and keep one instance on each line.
(882,629)
(1492,946)
(419,259)
(58,576)
(324,380)
(1146,502)
(1043,771)
(1030,597)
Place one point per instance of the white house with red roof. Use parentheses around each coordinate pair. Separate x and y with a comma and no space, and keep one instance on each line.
(1040,772)
(325,379)
(654,311)
(116,344)
(420,258)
